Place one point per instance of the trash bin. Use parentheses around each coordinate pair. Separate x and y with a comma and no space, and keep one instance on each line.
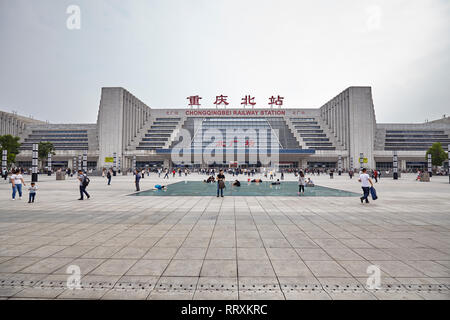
(60,175)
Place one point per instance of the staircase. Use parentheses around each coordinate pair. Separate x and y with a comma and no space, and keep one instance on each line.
(313,133)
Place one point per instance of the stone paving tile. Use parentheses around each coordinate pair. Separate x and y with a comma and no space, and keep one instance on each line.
(6,292)
(261,295)
(17,264)
(252,254)
(433,295)
(351,295)
(184,268)
(130,253)
(256,268)
(326,269)
(291,268)
(148,268)
(219,268)
(171,295)
(374,254)
(282,254)
(398,269)
(221,254)
(91,293)
(114,267)
(73,251)
(102,252)
(313,254)
(47,265)
(396,295)
(44,251)
(126,294)
(85,265)
(160,253)
(430,268)
(38,292)
(306,295)
(3,259)
(185,253)
(216,295)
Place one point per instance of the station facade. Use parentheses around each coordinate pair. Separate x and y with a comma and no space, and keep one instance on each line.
(129,133)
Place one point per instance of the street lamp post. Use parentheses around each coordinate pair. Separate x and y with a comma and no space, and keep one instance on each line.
(49,163)
(361,161)
(34,163)
(85,166)
(430,169)
(4,160)
(395,165)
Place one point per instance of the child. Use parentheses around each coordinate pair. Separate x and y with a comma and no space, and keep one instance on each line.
(32,189)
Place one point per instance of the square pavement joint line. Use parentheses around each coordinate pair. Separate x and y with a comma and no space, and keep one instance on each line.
(249,247)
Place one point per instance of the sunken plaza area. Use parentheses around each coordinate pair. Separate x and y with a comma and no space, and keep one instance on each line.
(239,247)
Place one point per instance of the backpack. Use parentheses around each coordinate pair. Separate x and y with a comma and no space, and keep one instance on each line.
(86,181)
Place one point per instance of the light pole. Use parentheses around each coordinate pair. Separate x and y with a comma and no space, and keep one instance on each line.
(34,163)
(85,166)
(49,163)
(395,165)
(361,161)
(4,160)
(339,164)
(430,169)
(114,163)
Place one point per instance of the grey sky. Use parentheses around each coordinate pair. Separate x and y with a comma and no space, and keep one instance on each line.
(165,50)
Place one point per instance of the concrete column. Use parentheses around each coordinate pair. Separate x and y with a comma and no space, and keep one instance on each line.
(403,165)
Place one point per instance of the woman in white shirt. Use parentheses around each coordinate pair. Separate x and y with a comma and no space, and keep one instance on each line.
(17,182)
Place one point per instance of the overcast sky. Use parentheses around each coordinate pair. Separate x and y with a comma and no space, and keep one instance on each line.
(163,51)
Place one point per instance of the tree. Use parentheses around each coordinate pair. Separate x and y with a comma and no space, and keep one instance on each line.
(438,155)
(45,147)
(12,145)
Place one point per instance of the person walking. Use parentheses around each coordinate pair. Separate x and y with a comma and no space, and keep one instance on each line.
(366,183)
(167,174)
(220,183)
(17,182)
(84,182)
(301,183)
(137,179)
(109,176)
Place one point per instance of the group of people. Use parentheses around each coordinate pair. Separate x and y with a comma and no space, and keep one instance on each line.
(17,183)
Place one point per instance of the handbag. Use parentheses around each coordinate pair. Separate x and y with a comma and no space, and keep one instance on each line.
(373,193)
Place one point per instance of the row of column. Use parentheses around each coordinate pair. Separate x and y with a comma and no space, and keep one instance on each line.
(10,125)
(135,115)
(336,115)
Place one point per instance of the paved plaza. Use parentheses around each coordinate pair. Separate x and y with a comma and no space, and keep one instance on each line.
(225,248)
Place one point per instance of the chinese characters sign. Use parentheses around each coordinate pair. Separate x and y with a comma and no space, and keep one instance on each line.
(248,100)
